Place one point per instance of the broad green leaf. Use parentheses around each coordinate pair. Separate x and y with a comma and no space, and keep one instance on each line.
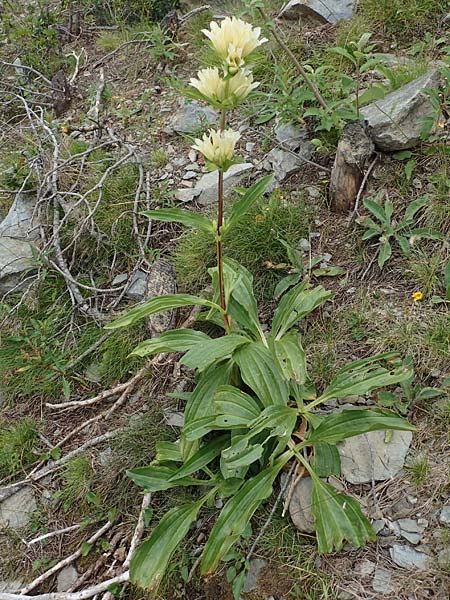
(337,518)
(345,53)
(167,452)
(235,516)
(409,169)
(280,420)
(364,376)
(339,426)
(413,208)
(200,404)
(259,371)
(404,244)
(229,400)
(212,350)
(375,92)
(291,357)
(175,340)
(375,209)
(242,304)
(370,233)
(423,232)
(384,254)
(179,215)
(296,304)
(326,460)
(285,283)
(235,457)
(153,555)
(243,205)
(159,304)
(295,256)
(196,429)
(157,478)
(202,457)
(388,209)
(402,155)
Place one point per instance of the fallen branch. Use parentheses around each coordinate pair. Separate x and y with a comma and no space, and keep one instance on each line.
(46,536)
(138,531)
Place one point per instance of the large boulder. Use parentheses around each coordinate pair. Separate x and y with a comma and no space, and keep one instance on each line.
(18,233)
(396,121)
(320,11)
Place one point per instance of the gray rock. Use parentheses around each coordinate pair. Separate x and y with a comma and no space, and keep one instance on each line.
(378,525)
(66,578)
(160,282)
(284,163)
(11,586)
(381,582)
(174,418)
(206,188)
(16,511)
(300,506)
(444,517)
(409,558)
(251,581)
(444,558)
(290,136)
(368,456)
(192,118)
(186,195)
(410,529)
(364,568)
(320,11)
(18,234)
(395,122)
(119,279)
(138,286)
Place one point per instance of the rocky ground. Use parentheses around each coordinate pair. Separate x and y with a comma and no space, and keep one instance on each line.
(76,411)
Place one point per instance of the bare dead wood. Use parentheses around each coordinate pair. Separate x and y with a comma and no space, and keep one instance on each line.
(354,150)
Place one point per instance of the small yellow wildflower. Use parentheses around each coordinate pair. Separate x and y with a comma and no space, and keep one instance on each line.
(224,93)
(259,219)
(417,296)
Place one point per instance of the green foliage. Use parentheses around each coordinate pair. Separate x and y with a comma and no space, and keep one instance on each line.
(387,230)
(256,241)
(18,442)
(130,11)
(246,390)
(77,477)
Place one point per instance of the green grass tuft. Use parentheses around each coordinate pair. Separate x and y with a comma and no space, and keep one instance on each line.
(17,445)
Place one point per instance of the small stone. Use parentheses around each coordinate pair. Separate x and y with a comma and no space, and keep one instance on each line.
(409,558)
(104,457)
(192,155)
(284,163)
(206,188)
(66,578)
(249,146)
(218,503)
(381,582)
(17,510)
(192,118)
(300,506)
(303,244)
(251,581)
(290,136)
(378,525)
(364,568)
(138,286)
(410,529)
(444,517)
(313,192)
(188,184)
(119,279)
(174,418)
(444,558)
(369,456)
(180,161)
(186,195)
(190,175)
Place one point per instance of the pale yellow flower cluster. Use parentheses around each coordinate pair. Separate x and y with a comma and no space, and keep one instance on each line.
(233,40)
(218,146)
(224,93)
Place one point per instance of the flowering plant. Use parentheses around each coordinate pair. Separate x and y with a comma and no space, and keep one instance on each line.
(252,409)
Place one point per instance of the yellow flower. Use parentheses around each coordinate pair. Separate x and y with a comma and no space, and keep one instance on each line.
(234,40)
(224,92)
(218,146)
(417,296)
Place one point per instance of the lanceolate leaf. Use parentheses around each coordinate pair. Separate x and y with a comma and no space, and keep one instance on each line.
(152,557)
(337,518)
(291,357)
(376,209)
(384,253)
(212,350)
(202,458)
(235,516)
(167,452)
(179,215)
(157,479)
(296,304)
(339,426)
(230,400)
(242,304)
(260,373)
(159,304)
(241,206)
(175,340)
(235,458)
(326,460)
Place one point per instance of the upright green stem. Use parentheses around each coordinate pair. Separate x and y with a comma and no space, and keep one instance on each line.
(223,302)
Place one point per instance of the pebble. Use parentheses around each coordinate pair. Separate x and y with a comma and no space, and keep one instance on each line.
(192,155)
(382,581)
(303,244)
(190,175)
(444,517)
(409,558)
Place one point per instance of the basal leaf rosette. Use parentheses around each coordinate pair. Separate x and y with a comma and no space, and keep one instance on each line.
(234,40)
(218,148)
